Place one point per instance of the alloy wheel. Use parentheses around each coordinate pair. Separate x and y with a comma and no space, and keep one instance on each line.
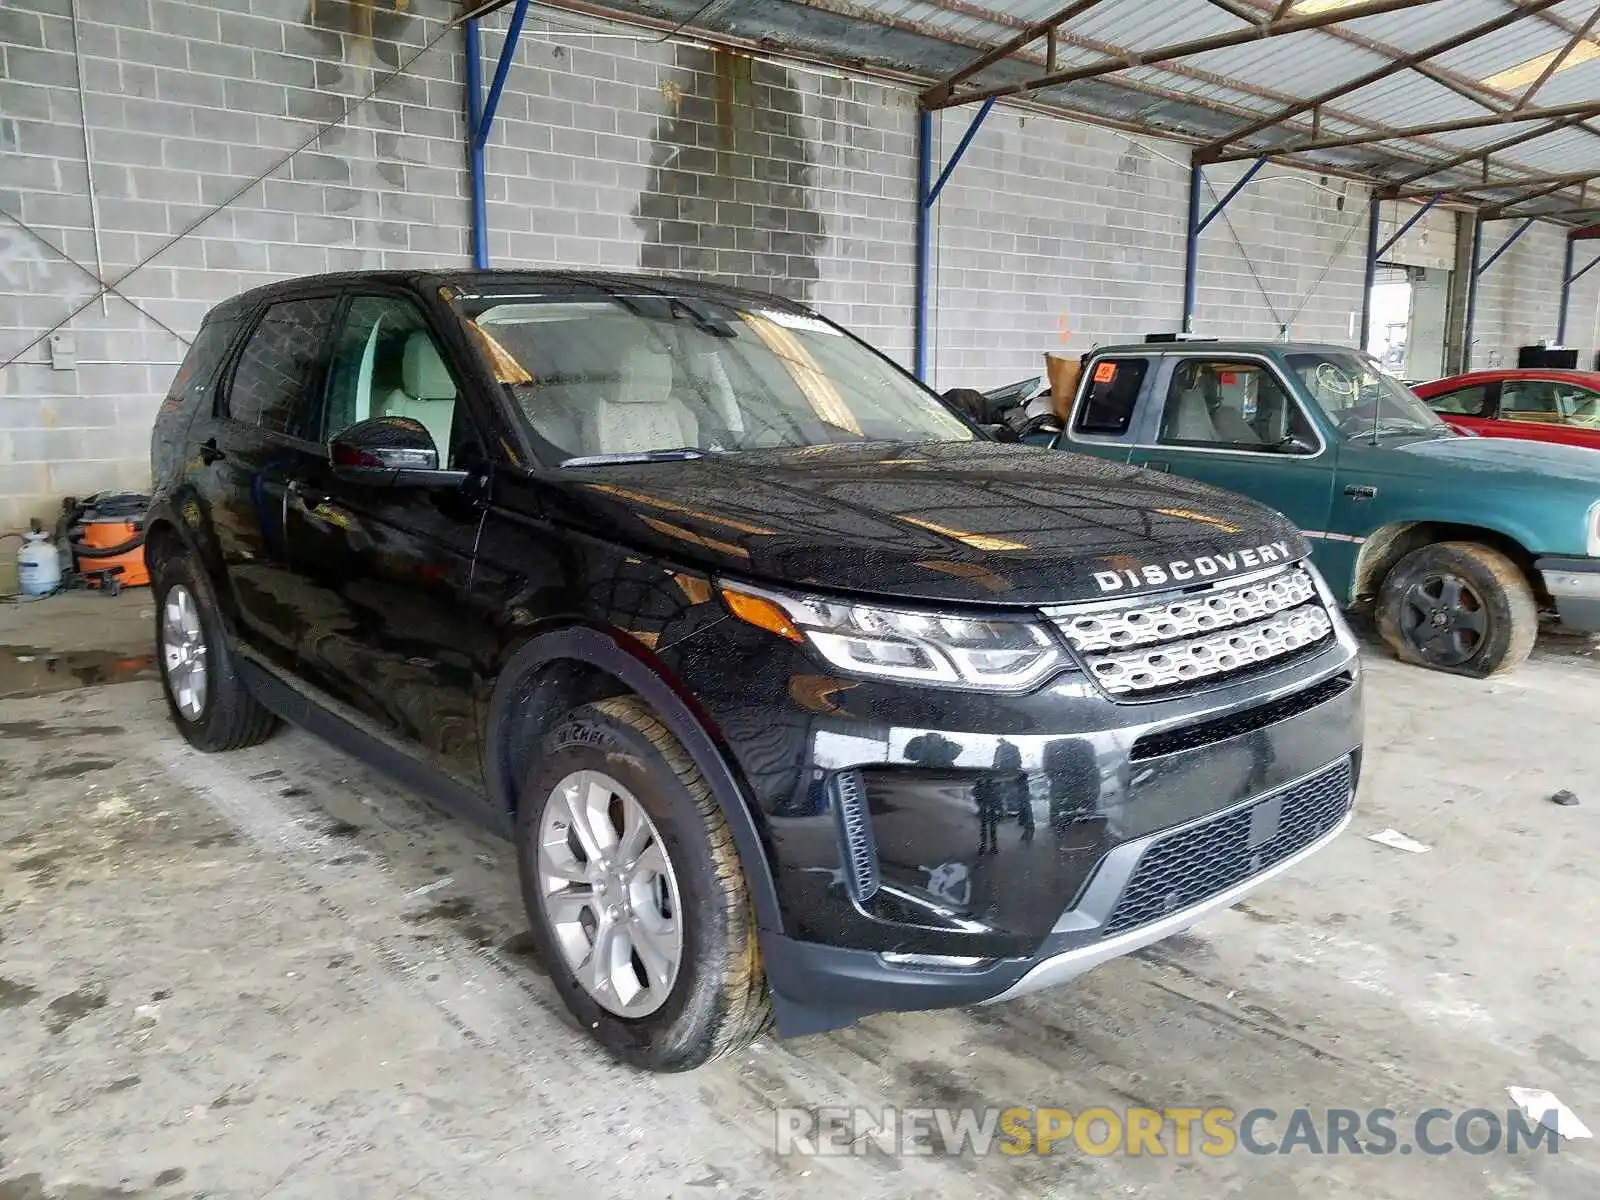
(1444,619)
(610,894)
(183,649)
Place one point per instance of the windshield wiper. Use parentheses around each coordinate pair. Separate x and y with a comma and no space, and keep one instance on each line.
(681,454)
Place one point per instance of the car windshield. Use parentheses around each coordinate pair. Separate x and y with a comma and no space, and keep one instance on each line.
(1360,399)
(638,372)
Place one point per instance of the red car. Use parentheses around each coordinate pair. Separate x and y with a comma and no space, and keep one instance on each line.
(1542,405)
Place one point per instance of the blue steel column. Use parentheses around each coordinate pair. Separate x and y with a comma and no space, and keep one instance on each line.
(924,233)
(1566,292)
(480,119)
(475,145)
(1374,213)
(1191,249)
(1472,292)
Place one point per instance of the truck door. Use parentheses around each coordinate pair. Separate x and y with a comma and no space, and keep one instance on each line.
(1234,421)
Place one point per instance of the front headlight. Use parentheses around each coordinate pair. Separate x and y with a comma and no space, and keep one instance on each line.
(932,648)
(1592,542)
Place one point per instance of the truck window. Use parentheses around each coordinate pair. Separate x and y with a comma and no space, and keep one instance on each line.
(1233,406)
(1111,392)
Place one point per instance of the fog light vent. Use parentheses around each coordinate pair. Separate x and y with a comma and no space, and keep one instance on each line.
(855,833)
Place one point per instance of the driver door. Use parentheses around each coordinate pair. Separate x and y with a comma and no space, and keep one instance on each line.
(385,572)
(1235,422)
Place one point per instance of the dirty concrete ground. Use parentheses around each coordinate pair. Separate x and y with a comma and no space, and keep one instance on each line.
(276,973)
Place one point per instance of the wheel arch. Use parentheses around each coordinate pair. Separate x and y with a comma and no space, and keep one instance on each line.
(556,671)
(1388,544)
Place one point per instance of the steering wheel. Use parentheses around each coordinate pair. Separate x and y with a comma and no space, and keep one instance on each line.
(1332,380)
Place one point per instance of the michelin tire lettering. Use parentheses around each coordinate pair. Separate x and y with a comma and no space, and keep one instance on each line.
(1206,566)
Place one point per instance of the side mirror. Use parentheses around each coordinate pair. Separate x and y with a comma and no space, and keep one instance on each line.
(390,452)
(1295,444)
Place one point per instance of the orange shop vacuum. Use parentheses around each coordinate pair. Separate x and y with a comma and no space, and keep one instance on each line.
(106,535)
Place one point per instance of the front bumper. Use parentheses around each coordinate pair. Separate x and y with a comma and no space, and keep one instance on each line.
(991,839)
(1574,584)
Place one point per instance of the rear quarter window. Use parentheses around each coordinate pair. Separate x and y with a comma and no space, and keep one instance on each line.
(1110,395)
(190,389)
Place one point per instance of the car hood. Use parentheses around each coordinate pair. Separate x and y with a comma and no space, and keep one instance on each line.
(974,523)
(1512,461)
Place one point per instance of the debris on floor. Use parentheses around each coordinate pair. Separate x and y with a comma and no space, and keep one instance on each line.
(1547,1109)
(1564,798)
(1398,841)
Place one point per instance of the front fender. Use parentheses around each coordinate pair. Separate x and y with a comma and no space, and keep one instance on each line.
(605,652)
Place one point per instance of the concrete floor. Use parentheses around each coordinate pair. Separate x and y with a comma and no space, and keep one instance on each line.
(219,976)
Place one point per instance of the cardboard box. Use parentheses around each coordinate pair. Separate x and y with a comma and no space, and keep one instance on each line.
(1062,370)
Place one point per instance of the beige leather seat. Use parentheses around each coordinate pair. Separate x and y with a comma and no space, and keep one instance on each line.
(639,413)
(1190,419)
(426,392)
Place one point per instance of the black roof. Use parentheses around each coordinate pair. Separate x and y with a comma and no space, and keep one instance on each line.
(471,280)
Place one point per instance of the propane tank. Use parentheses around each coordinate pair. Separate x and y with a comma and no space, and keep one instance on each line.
(38,564)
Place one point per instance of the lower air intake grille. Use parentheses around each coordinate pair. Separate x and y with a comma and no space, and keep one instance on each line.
(855,831)
(1185,868)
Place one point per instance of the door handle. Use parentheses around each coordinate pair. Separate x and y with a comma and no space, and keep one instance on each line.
(1360,491)
(1157,465)
(210,452)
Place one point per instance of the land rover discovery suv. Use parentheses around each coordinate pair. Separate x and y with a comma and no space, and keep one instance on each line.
(802,697)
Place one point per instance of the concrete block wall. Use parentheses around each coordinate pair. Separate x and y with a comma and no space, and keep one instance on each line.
(229,148)
(1520,294)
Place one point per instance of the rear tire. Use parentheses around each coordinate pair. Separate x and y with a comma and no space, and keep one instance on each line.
(208,701)
(1460,607)
(607,768)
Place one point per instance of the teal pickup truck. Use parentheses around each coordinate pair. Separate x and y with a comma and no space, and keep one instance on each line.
(1459,540)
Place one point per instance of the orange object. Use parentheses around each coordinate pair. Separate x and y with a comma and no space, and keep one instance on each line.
(762,613)
(104,535)
(1105,372)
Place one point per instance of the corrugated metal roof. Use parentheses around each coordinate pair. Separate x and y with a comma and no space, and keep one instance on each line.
(1215,93)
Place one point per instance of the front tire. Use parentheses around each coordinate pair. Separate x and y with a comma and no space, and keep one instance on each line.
(1460,607)
(208,701)
(635,894)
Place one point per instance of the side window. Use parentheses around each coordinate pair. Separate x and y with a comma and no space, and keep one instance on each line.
(1531,400)
(1233,406)
(273,385)
(386,363)
(1463,402)
(199,370)
(1110,395)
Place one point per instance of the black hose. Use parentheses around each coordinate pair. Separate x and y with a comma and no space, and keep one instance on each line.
(82,551)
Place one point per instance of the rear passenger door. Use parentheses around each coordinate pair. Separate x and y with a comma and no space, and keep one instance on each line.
(259,435)
(383,573)
(1235,422)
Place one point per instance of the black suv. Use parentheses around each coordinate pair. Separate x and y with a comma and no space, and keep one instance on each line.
(802,697)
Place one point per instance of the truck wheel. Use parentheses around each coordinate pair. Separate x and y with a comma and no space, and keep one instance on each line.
(635,894)
(208,701)
(1458,606)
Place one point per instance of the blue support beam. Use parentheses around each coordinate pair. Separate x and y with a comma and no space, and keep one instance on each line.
(927,195)
(480,119)
(1507,244)
(1472,292)
(1196,226)
(1479,266)
(1410,221)
(1568,278)
(1376,251)
(480,212)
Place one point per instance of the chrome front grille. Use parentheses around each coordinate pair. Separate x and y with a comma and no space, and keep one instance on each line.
(1205,634)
